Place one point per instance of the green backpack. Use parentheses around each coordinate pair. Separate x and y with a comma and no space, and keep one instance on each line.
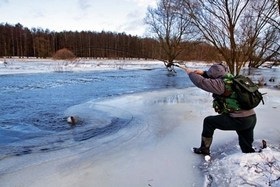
(247,92)
(240,93)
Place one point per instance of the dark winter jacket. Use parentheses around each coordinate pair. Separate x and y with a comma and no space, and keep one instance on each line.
(216,86)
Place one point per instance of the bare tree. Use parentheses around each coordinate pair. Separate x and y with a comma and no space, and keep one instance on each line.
(279,5)
(170,23)
(240,30)
(261,33)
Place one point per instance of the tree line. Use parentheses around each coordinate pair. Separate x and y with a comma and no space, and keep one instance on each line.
(235,32)
(20,41)
(17,40)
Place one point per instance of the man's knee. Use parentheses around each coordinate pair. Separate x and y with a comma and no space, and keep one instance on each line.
(210,122)
(207,120)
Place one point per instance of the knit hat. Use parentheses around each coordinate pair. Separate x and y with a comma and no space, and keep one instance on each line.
(216,71)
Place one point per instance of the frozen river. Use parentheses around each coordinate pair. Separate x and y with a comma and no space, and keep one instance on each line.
(32,110)
(136,128)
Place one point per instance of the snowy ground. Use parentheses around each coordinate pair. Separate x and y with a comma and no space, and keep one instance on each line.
(30,65)
(157,154)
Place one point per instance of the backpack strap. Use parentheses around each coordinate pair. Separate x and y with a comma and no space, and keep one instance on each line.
(228,81)
(226,102)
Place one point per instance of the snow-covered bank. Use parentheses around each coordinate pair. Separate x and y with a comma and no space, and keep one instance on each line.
(16,65)
(258,169)
(156,152)
(33,65)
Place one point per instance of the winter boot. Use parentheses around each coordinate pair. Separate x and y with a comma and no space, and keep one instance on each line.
(204,147)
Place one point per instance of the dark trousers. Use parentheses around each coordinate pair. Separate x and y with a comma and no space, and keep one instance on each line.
(243,126)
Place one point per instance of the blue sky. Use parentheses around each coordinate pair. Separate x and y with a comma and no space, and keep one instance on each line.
(77,15)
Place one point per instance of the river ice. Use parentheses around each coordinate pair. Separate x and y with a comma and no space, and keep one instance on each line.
(126,136)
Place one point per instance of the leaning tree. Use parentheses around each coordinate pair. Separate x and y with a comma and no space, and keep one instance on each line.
(170,24)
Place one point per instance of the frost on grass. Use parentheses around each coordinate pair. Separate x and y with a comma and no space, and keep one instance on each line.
(254,169)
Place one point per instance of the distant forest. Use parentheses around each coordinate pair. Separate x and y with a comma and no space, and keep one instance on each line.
(17,40)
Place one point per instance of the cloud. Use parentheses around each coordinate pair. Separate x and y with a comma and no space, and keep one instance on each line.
(84,4)
(133,21)
(144,3)
(3,2)
(133,24)
(38,14)
(83,7)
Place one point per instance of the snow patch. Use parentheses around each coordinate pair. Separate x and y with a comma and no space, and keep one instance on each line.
(254,169)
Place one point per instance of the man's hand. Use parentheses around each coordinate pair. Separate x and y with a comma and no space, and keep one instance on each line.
(198,71)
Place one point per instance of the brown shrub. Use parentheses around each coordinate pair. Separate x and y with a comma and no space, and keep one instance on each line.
(64,54)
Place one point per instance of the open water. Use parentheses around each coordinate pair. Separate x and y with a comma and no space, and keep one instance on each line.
(33,106)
